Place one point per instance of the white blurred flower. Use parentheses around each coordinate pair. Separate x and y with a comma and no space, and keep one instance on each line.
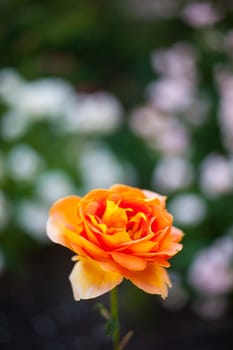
(42,98)
(4,210)
(98,112)
(146,121)
(176,61)
(171,95)
(211,272)
(161,131)
(173,140)
(172,173)
(10,83)
(216,176)
(188,209)
(201,14)
(23,162)
(100,168)
(31,101)
(13,125)
(54,184)
(32,217)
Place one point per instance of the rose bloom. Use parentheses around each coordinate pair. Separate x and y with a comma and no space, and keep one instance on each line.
(116,233)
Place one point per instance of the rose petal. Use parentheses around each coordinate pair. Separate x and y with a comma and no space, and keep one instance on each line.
(151,196)
(172,250)
(163,219)
(168,241)
(154,279)
(88,280)
(142,247)
(98,195)
(127,191)
(177,234)
(112,266)
(91,249)
(63,213)
(89,231)
(113,241)
(150,236)
(129,262)
(114,216)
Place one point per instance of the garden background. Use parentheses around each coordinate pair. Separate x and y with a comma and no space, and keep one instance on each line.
(96,92)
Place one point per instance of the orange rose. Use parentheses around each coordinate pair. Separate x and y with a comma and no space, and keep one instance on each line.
(116,233)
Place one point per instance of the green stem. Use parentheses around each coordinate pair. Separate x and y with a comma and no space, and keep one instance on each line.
(115,317)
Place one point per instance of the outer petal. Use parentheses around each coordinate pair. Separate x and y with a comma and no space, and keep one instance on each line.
(88,280)
(168,242)
(151,196)
(126,193)
(154,279)
(63,214)
(177,234)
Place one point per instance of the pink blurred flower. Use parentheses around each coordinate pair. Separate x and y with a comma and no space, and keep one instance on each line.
(211,273)
(216,177)
(201,14)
